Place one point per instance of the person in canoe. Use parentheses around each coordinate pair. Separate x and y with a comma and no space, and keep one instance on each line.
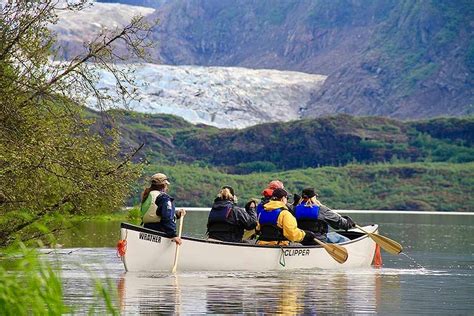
(313,216)
(277,225)
(157,208)
(227,221)
(250,206)
(267,194)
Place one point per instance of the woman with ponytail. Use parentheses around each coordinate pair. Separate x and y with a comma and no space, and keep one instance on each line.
(227,221)
(157,207)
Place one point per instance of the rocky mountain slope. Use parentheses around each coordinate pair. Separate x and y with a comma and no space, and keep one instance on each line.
(403,59)
(226,97)
(76,27)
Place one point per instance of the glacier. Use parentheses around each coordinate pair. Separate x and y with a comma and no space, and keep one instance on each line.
(225,97)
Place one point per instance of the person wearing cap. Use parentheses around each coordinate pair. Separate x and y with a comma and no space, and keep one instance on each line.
(266,197)
(227,221)
(157,208)
(277,225)
(313,216)
(267,194)
(272,185)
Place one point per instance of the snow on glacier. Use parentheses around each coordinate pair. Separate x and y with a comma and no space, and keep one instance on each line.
(226,97)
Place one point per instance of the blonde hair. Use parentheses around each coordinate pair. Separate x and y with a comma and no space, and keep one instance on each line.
(312,201)
(226,195)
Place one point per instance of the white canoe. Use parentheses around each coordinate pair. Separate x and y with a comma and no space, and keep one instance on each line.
(148,250)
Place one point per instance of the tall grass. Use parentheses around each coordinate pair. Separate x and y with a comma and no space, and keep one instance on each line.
(29,286)
(32,286)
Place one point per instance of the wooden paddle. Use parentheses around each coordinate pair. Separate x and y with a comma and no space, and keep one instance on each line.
(176,254)
(338,253)
(386,243)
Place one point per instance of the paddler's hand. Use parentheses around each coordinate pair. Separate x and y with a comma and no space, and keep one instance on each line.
(180,213)
(308,239)
(350,222)
(177,240)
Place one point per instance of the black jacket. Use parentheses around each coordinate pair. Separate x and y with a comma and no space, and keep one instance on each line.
(227,221)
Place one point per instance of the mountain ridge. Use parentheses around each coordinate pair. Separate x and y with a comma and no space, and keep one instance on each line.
(354,163)
(403,59)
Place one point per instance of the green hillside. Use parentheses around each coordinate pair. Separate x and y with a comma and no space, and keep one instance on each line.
(355,163)
(332,141)
(402,186)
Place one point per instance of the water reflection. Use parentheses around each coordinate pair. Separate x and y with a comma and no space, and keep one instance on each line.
(301,292)
(220,300)
(396,290)
(443,245)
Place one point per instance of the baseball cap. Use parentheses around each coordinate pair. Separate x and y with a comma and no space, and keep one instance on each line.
(159,178)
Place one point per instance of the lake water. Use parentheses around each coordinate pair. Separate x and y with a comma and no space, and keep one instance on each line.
(435,276)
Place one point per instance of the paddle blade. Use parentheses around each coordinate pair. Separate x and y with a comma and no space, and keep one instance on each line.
(387,244)
(337,252)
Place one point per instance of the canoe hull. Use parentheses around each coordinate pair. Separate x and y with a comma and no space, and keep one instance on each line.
(148,250)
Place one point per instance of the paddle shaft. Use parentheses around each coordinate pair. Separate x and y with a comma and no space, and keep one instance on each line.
(385,243)
(176,253)
(337,252)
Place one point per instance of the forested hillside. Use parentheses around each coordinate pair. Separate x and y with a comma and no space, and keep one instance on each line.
(332,141)
(400,186)
(360,163)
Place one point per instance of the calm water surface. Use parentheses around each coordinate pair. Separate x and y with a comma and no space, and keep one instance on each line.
(434,277)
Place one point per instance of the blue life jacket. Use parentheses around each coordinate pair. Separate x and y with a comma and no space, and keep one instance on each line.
(303,211)
(260,209)
(269,230)
(307,218)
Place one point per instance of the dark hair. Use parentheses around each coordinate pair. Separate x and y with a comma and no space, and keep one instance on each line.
(153,187)
(279,193)
(247,205)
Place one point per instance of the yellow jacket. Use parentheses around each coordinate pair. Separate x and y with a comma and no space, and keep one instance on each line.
(286,221)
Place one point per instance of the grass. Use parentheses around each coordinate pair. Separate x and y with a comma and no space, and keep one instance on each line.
(31,286)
